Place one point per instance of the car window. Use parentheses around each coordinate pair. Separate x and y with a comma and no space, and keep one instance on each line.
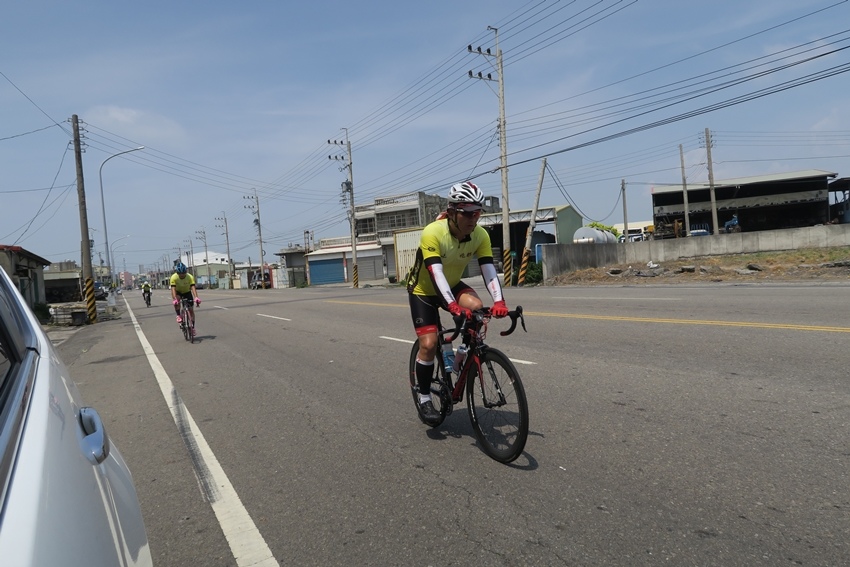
(5,363)
(8,347)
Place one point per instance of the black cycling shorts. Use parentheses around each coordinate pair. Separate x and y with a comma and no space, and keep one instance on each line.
(425,309)
(188,295)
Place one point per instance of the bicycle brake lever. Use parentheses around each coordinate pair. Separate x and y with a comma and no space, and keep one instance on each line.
(460,323)
(514,315)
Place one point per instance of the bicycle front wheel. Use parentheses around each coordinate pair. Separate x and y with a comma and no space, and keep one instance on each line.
(497,406)
(185,324)
(441,401)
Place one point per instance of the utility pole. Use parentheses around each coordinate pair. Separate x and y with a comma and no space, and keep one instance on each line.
(348,187)
(85,251)
(190,258)
(708,144)
(223,218)
(685,193)
(503,151)
(526,251)
(625,210)
(255,207)
(203,237)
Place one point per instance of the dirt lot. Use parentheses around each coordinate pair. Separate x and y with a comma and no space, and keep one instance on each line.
(815,265)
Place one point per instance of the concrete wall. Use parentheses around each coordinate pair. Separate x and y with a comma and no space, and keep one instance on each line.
(561,258)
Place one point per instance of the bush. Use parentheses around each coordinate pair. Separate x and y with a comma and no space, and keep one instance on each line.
(534,273)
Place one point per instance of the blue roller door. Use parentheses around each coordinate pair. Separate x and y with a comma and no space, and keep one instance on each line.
(326,272)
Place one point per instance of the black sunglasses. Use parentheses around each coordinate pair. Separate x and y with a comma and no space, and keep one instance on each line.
(470,214)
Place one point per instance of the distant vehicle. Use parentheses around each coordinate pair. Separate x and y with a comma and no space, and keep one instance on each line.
(632,238)
(700,229)
(100,292)
(635,235)
(265,284)
(67,495)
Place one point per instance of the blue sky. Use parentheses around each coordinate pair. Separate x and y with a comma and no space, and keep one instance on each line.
(232,97)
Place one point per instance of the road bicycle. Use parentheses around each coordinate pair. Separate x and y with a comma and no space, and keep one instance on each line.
(187,324)
(147,295)
(495,397)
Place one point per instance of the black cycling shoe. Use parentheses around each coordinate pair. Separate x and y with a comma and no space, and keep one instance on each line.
(429,413)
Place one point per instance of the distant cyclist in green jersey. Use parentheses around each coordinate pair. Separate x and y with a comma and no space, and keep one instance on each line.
(183,286)
(446,247)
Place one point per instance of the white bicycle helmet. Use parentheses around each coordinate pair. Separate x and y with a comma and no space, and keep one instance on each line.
(466,193)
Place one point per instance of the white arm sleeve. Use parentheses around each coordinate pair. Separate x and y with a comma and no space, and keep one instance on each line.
(491,280)
(440,282)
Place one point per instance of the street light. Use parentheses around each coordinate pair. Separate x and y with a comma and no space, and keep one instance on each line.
(111,258)
(103,204)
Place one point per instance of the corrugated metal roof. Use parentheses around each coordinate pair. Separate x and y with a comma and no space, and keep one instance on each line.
(790,176)
(24,252)
(841,184)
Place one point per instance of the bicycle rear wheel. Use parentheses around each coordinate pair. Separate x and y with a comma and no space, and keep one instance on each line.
(440,399)
(497,406)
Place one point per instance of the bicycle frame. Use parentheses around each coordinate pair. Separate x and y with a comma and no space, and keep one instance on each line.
(472,332)
(186,308)
(188,323)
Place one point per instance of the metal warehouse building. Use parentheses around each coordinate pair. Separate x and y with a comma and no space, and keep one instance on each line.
(765,202)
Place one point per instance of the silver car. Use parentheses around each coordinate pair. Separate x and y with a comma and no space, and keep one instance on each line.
(66,494)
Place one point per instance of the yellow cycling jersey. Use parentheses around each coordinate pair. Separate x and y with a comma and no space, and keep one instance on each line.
(183,285)
(437,242)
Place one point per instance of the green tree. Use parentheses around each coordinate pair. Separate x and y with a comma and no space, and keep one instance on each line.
(601,226)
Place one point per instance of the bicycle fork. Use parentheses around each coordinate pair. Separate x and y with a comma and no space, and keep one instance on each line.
(496,386)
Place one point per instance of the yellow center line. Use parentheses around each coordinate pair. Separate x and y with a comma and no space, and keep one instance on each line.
(696,322)
(750,324)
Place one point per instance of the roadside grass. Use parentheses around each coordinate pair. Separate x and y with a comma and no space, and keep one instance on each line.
(801,264)
(801,257)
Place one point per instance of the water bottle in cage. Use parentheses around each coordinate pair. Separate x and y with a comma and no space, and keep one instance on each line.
(460,356)
(448,356)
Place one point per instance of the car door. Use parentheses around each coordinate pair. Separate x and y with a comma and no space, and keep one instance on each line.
(66,495)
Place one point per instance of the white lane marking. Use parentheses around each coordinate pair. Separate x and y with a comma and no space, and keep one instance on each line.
(514,360)
(273,317)
(220,307)
(399,340)
(246,543)
(619,298)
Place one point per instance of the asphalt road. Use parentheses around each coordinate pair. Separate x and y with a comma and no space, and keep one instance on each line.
(683,425)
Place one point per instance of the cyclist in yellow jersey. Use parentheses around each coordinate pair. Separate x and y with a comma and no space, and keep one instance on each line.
(183,285)
(446,247)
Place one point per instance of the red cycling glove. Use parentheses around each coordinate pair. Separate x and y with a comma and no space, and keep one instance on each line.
(457,310)
(175,302)
(499,309)
(197,301)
